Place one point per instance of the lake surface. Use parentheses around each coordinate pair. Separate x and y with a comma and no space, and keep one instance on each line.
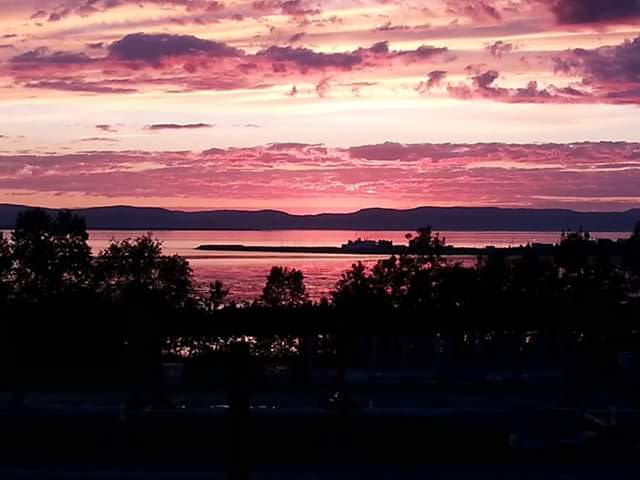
(244,273)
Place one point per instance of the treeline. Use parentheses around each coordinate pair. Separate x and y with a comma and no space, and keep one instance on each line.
(62,304)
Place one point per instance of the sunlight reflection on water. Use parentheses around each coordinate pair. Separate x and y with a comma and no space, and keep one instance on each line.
(244,273)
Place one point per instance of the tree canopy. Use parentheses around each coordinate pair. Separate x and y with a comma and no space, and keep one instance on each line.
(285,288)
(132,290)
(138,267)
(51,254)
(6,263)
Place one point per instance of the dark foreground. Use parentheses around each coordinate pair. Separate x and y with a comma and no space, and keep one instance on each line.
(526,366)
(348,472)
(390,433)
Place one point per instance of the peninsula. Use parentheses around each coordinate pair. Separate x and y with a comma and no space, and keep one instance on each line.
(370,247)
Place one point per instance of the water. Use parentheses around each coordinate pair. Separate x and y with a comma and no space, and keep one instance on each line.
(244,273)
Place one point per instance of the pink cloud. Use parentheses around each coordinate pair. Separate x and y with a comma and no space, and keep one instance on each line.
(189,63)
(589,175)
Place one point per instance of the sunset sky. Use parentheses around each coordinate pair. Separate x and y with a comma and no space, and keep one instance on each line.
(309,106)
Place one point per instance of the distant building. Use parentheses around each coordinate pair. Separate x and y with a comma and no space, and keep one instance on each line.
(361,245)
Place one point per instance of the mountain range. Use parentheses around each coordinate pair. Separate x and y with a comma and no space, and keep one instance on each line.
(440,218)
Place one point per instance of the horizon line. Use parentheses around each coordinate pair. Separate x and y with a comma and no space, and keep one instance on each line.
(349,212)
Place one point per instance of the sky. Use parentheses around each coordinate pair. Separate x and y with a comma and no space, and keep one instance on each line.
(309,106)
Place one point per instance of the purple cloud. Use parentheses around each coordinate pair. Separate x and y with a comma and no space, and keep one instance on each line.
(434,79)
(594,11)
(305,58)
(153,47)
(178,126)
(39,14)
(43,56)
(106,128)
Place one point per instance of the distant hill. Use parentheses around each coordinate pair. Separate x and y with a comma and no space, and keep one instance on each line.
(440,218)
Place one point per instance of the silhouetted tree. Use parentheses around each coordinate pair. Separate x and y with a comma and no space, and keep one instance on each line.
(405,280)
(392,276)
(175,281)
(285,288)
(137,267)
(426,243)
(589,278)
(402,281)
(456,289)
(533,278)
(636,231)
(562,292)
(574,251)
(8,340)
(217,295)
(6,268)
(631,252)
(149,287)
(51,255)
(494,272)
(355,288)
(49,275)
